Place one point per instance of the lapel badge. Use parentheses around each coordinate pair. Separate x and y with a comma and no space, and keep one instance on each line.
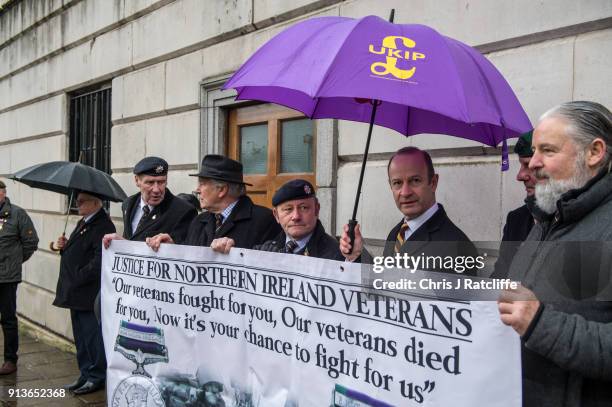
(154,217)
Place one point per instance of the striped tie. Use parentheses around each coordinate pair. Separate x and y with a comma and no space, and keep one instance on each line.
(218,221)
(400,237)
(290,246)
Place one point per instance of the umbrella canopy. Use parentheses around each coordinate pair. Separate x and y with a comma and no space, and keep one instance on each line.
(66,176)
(427,83)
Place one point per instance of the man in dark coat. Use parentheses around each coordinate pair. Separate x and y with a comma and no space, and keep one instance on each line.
(296,209)
(77,287)
(563,311)
(154,209)
(519,221)
(18,241)
(230,216)
(425,229)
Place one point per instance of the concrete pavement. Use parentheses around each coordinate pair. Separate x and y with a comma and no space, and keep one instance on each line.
(47,368)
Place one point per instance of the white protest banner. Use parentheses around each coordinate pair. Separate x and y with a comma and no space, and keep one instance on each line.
(190,327)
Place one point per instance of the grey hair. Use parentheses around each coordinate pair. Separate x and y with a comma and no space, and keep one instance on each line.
(233,190)
(587,121)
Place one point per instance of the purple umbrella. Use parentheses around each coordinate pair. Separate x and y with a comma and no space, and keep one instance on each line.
(416,80)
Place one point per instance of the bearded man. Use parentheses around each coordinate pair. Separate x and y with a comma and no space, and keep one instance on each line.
(563,311)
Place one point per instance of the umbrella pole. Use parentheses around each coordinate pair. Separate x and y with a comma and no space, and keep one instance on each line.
(353,221)
(52,244)
(68,213)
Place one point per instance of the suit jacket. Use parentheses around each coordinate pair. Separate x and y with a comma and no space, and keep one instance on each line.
(173,216)
(320,245)
(79,278)
(248,225)
(439,236)
(518,225)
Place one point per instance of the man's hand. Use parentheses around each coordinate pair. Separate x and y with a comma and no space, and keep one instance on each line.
(517,308)
(345,244)
(222,244)
(156,241)
(61,242)
(106,240)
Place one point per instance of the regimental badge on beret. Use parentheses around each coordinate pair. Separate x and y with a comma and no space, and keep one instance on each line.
(154,166)
(294,189)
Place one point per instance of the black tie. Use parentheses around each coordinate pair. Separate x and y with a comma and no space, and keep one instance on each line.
(218,221)
(145,217)
(290,246)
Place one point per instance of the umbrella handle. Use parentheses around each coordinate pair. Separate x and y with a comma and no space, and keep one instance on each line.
(52,245)
(352,223)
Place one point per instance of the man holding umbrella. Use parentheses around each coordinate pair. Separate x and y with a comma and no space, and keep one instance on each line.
(425,228)
(18,241)
(78,285)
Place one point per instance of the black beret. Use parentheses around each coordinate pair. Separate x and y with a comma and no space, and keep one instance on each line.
(523,145)
(151,166)
(294,189)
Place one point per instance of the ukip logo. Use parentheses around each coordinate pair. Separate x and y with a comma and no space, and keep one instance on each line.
(393,54)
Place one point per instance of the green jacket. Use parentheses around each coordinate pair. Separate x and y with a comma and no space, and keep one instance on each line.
(18,241)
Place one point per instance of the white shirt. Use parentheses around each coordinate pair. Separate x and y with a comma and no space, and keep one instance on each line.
(138,214)
(416,223)
(88,217)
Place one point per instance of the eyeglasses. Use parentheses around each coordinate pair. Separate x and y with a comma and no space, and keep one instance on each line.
(195,193)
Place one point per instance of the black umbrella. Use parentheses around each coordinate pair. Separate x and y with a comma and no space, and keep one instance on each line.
(65,177)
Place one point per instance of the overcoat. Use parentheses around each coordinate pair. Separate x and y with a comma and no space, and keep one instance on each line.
(173,216)
(248,225)
(79,278)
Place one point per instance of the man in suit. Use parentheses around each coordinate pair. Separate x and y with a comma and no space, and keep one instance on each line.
(425,229)
(154,209)
(519,221)
(230,216)
(77,287)
(296,209)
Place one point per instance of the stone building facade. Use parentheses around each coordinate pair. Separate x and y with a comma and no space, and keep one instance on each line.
(164,62)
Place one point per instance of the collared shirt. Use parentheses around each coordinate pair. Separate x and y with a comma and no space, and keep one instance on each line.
(228,211)
(138,214)
(416,223)
(88,217)
(300,243)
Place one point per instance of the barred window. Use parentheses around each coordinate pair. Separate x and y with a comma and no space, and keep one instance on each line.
(90,128)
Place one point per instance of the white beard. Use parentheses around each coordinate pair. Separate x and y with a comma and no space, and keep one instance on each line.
(548,194)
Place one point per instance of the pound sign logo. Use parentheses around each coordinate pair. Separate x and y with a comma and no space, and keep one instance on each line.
(389,48)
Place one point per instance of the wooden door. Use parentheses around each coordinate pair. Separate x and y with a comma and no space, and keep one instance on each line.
(275,144)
